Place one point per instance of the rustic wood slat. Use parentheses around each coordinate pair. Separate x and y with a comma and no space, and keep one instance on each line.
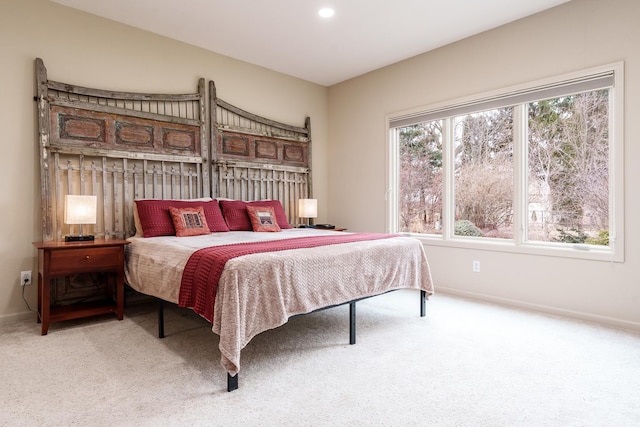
(107,109)
(163,184)
(100,222)
(216,179)
(81,173)
(126,207)
(199,185)
(97,152)
(57,198)
(145,179)
(136,182)
(248,131)
(256,118)
(43,140)
(105,193)
(175,193)
(309,178)
(100,93)
(116,199)
(154,187)
(262,166)
(190,185)
(205,143)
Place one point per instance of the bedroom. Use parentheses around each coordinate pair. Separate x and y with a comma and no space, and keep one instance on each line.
(99,53)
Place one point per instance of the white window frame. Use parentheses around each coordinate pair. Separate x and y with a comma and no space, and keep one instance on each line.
(614,252)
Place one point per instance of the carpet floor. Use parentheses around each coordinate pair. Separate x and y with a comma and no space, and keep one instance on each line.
(467,363)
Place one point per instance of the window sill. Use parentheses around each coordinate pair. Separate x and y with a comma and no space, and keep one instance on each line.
(586,252)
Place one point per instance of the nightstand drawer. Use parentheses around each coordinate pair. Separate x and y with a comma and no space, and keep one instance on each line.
(85,259)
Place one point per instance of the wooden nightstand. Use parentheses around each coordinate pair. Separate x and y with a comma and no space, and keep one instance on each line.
(59,259)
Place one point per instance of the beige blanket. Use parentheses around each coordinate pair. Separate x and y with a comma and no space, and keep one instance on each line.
(261,291)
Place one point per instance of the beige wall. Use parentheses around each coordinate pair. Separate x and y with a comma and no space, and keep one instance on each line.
(577,35)
(82,49)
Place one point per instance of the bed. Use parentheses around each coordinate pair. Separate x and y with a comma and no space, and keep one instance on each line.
(153,158)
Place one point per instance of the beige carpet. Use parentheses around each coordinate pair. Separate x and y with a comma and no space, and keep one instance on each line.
(466,364)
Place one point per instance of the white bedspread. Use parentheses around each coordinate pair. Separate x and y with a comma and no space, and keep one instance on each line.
(261,291)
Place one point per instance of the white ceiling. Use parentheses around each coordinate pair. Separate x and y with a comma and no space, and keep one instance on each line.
(288,35)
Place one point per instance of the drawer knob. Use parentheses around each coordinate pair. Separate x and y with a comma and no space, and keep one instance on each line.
(86,257)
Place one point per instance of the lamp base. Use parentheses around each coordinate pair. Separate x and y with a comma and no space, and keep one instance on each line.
(82,238)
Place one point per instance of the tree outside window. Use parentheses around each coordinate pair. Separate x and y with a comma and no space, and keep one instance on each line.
(565,181)
(568,173)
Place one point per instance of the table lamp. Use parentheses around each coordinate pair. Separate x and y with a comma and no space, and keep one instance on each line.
(307,208)
(79,210)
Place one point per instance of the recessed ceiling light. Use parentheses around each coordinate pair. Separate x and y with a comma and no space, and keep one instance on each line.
(326,12)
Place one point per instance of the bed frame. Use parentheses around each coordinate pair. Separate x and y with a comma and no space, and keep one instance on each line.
(232,380)
(123,146)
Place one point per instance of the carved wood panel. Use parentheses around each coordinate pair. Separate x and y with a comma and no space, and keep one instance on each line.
(260,149)
(73,127)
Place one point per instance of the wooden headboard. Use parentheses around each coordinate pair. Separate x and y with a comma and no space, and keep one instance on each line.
(256,158)
(123,146)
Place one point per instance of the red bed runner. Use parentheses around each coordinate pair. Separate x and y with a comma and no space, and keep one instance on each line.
(202,272)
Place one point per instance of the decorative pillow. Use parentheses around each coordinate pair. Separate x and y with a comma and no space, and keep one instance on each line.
(189,221)
(263,218)
(138,225)
(155,219)
(235,215)
(283,222)
(237,218)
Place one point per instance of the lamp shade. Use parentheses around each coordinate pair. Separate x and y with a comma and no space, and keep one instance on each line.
(307,208)
(80,209)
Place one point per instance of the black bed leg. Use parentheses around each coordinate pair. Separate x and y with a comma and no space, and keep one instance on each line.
(232,382)
(160,318)
(352,322)
(423,303)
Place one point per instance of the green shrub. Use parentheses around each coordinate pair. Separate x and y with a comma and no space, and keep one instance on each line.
(571,235)
(465,227)
(602,239)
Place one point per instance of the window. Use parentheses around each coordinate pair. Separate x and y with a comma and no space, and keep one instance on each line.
(483,171)
(536,168)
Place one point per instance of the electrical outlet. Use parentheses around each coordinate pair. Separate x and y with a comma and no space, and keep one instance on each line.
(25,278)
(476,266)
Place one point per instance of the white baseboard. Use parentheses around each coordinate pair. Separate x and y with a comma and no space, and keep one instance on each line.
(588,317)
(17,317)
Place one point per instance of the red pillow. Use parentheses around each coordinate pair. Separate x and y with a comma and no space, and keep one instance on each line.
(235,215)
(189,221)
(263,218)
(237,218)
(156,220)
(214,217)
(281,217)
